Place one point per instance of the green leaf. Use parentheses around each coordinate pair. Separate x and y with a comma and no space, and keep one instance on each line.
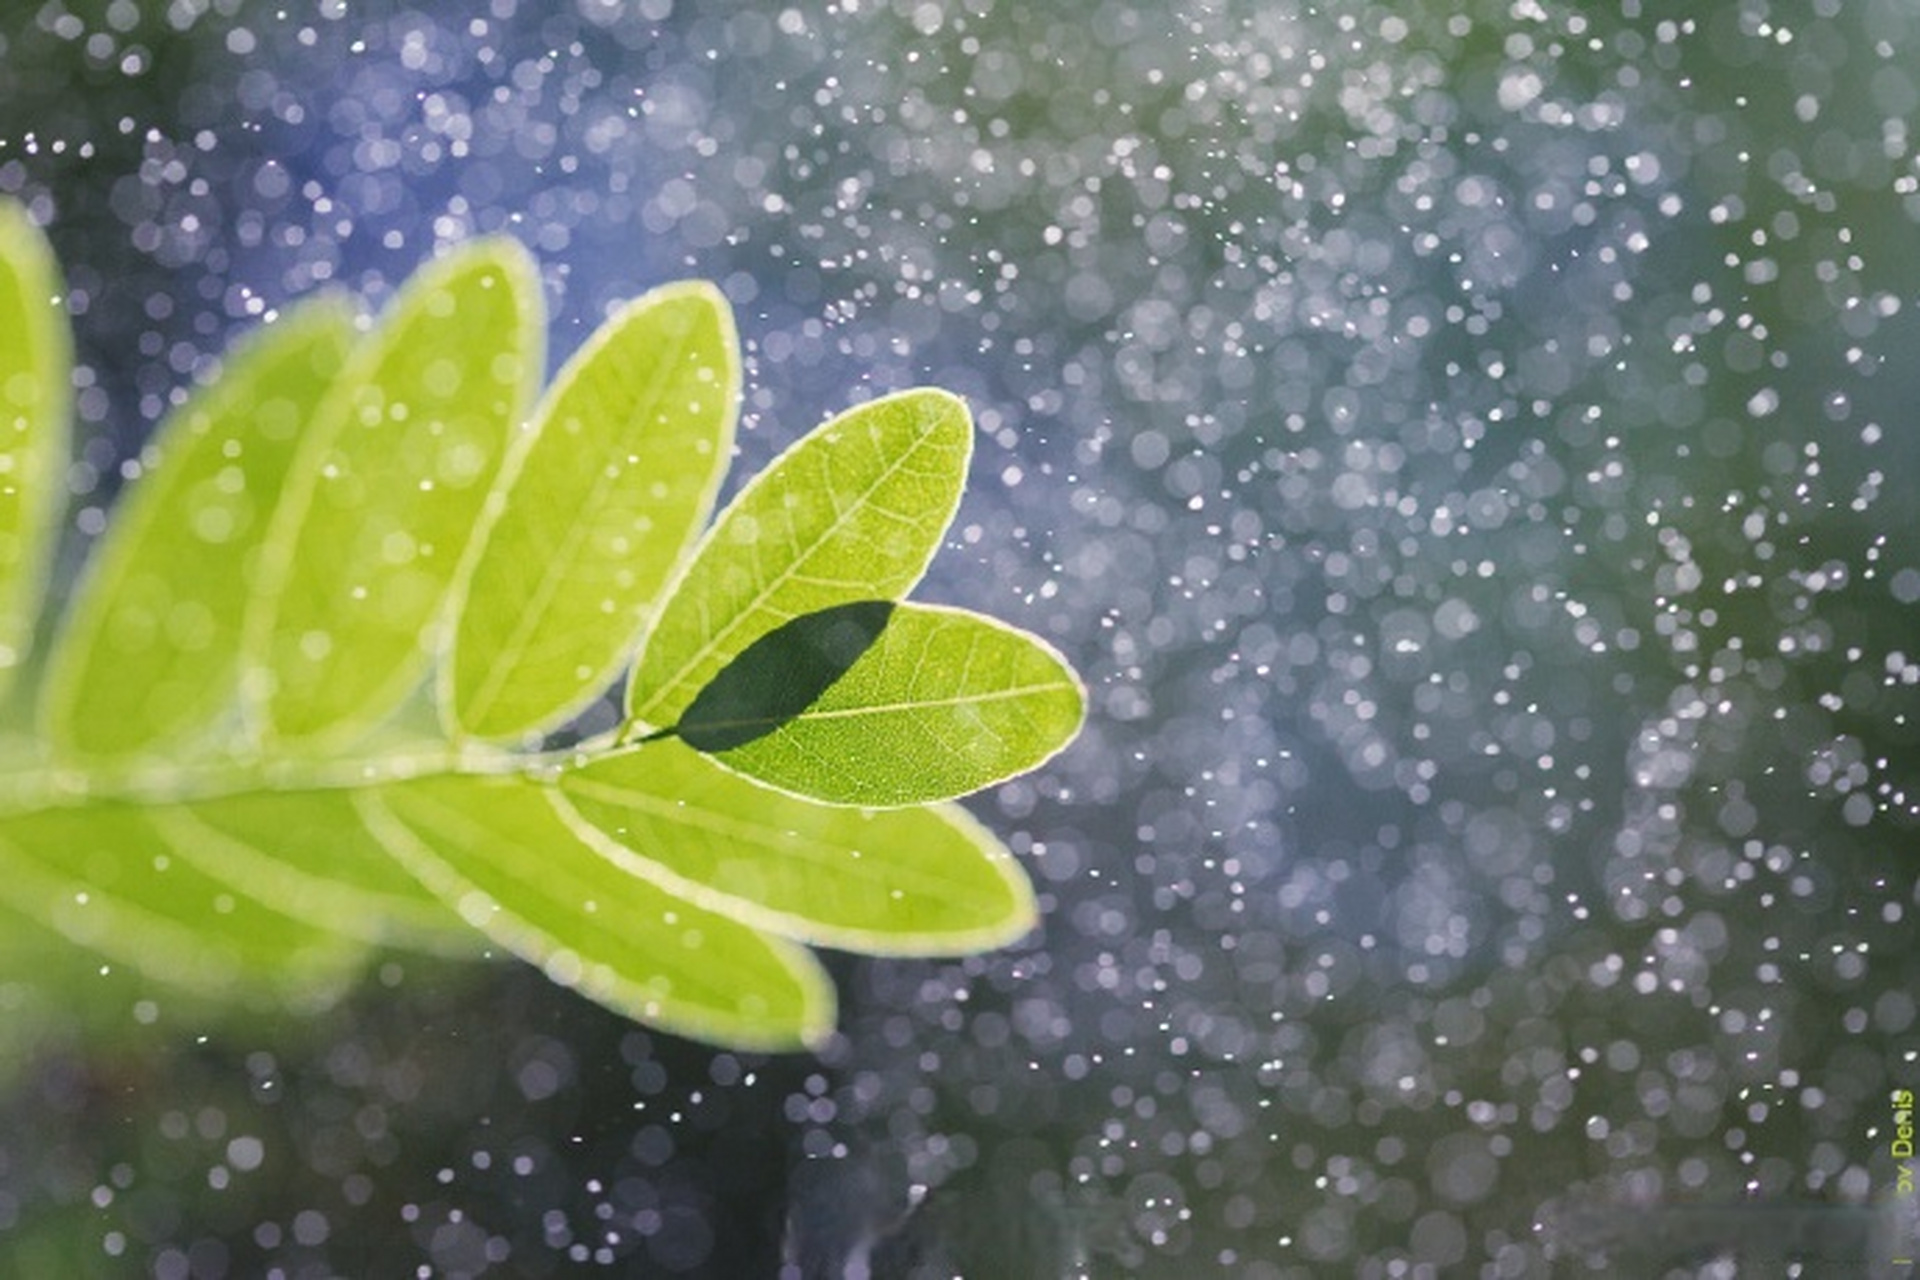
(385,494)
(893,882)
(309,854)
(228,791)
(630,445)
(781,674)
(105,878)
(497,850)
(853,511)
(943,703)
(36,357)
(149,655)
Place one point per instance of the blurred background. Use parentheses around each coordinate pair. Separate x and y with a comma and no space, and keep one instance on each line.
(1468,448)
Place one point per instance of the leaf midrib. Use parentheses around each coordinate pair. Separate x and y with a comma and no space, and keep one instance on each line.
(890,708)
(689,813)
(531,616)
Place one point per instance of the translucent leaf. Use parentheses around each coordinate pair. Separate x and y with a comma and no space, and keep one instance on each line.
(497,849)
(631,443)
(893,882)
(853,511)
(104,877)
(385,494)
(229,792)
(781,674)
(309,854)
(35,359)
(149,655)
(942,703)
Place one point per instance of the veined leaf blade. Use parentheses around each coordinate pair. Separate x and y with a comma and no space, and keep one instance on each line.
(106,879)
(149,654)
(497,850)
(308,854)
(943,703)
(629,449)
(373,527)
(927,881)
(781,674)
(36,356)
(853,511)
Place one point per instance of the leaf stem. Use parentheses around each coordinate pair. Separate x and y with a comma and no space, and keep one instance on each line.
(51,786)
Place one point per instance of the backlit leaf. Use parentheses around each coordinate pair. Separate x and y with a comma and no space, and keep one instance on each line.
(385,494)
(241,783)
(309,854)
(943,703)
(150,651)
(854,511)
(497,850)
(35,357)
(927,881)
(781,674)
(105,878)
(630,446)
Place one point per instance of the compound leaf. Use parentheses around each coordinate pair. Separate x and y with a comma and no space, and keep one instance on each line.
(229,793)
(149,655)
(498,851)
(629,448)
(926,881)
(35,359)
(853,511)
(385,493)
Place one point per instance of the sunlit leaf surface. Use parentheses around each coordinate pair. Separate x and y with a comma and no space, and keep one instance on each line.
(907,881)
(105,877)
(309,854)
(243,784)
(854,511)
(943,703)
(35,352)
(780,675)
(385,494)
(497,850)
(150,651)
(631,443)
